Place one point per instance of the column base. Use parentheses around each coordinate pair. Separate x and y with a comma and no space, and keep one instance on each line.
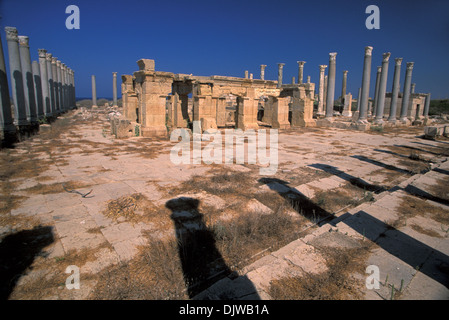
(378,121)
(405,121)
(346,113)
(361,125)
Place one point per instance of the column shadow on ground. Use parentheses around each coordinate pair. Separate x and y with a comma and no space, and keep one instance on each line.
(17,253)
(416,254)
(355,181)
(201,261)
(381,164)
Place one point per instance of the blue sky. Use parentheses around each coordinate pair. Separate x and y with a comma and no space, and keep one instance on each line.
(228,37)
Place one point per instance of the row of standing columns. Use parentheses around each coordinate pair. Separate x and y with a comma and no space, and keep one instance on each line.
(39,89)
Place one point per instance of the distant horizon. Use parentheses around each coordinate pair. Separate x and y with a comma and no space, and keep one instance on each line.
(207,38)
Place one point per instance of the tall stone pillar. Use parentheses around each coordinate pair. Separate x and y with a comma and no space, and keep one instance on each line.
(246,74)
(406,93)
(15,68)
(54,71)
(300,71)
(364,94)
(38,90)
(60,81)
(6,121)
(412,90)
(114,89)
(320,110)
(382,88)
(343,85)
(358,99)
(262,71)
(347,105)
(94,92)
(325,94)
(376,90)
(44,81)
(395,90)
(280,71)
(73,89)
(27,76)
(70,75)
(51,92)
(64,85)
(426,106)
(331,86)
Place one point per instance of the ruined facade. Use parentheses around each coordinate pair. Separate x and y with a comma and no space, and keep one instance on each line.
(155,100)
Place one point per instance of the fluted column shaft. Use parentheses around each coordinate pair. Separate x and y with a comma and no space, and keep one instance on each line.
(6,121)
(331,85)
(54,71)
(406,93)
(382,87)
(27,76)
(365,84)
(395,90)
(38,90)
(51,92)
(44,81)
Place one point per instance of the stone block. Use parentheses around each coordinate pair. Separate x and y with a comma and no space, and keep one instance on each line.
(146,64)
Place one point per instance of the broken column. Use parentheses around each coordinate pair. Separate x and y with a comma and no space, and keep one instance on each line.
(246,114)
(406,93)
(280,67)
(331,86)
(343,85)
(364,94)
(382,89)
(129,99)
(412,90)
(300,71)
(15,68)
(94,92)
(321,91)
(347,105)
(114,89)
(6,122)
(246,74)
(302,109)
(262,71)
(28,82)
(395,90)
(38,90)
(44,81)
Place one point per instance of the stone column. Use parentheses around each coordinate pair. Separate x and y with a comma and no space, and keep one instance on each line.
(382,88)
(293,80)
(38,90)
(395,90)
(64,85)
(280,67)
(364,94)
(325,94)
(279,112)
(27,76)
(262,71)
(300,71)
(44,81)
(347,105)
(15,68)
(358,99)
(321,91)
(331,86)
(343,85)
(376,91)
(308,79)
(73,89)
(406,93)
(246,74)
(54,71)
(94,92)
(60,80)
(426,106)
(251,76)
(6,121)
(51,92)
(114,89)
(70,75)
(412,90)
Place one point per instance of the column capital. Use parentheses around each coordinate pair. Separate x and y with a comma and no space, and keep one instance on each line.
(323,67)
(368,51)
(301,63)
(263,66)
(53,60)
(332,56)
(11,34)
(48,56)
(280,65)
(398,61)
(345,72)
(23,41)
(114,74)
(58,63)
(42,53)
(410,65)
(386,56)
